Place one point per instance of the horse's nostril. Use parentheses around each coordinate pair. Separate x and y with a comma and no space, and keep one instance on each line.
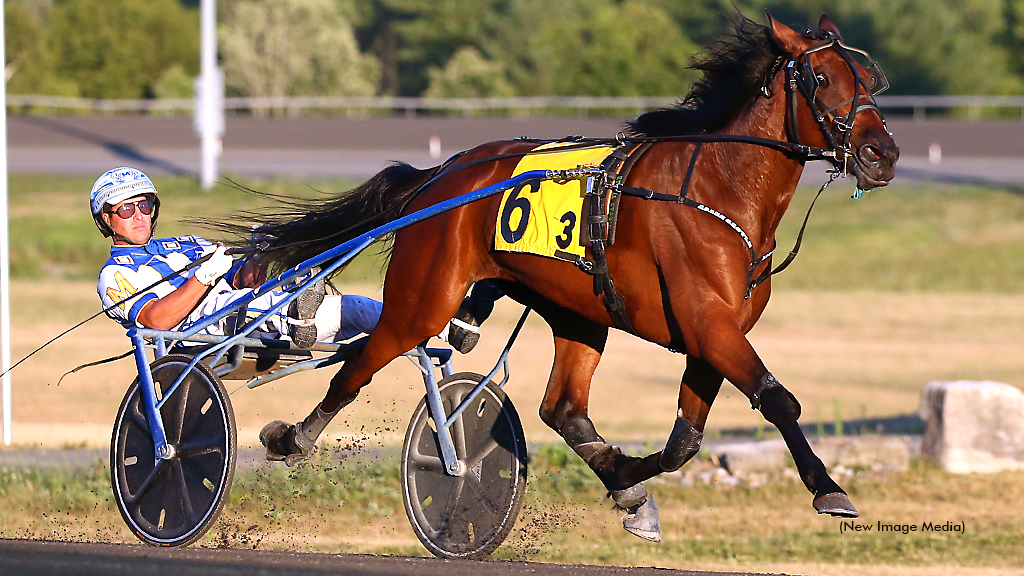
(870,155)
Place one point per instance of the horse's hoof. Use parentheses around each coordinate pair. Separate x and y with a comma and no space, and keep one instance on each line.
(278,438)
(835,504)
(642,520)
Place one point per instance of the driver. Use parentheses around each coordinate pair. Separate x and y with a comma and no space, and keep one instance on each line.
(125,207)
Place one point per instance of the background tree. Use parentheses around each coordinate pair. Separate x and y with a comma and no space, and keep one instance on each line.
(29,63)
(146,48)
(273,48)
(1012,37)
(119,48)
(468,74)
(410,37)
(599,48)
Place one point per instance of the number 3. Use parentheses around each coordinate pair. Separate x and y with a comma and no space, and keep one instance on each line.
(563,241)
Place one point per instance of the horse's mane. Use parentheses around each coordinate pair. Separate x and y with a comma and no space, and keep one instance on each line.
(734,66)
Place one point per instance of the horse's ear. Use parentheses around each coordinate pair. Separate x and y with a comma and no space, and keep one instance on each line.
(826,25)
(784,36)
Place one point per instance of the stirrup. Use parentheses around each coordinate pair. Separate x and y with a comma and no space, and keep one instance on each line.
(302,313)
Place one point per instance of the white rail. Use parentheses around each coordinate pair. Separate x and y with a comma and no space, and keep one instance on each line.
(410,106)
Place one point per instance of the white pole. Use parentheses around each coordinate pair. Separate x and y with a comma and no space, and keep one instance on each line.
(5,250)
(209,113)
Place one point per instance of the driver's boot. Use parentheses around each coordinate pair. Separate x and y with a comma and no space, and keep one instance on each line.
(464,328)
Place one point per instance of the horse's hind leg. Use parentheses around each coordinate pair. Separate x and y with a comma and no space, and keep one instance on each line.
(700,386)
(579,344)
(419,301)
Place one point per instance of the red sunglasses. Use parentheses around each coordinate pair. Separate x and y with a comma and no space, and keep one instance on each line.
(127,210)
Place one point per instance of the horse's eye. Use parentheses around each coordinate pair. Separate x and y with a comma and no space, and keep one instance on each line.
(822,80)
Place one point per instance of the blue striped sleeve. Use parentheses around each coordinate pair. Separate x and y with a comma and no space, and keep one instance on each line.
(133,314)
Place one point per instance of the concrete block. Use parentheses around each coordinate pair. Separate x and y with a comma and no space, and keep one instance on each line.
(973,426)
(867,451)
(753,457)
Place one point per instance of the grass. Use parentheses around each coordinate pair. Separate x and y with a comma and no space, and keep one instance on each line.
(354,506)
(905,237)
(919,237)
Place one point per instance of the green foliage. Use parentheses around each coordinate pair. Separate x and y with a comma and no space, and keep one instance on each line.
(907,237)
(276,48)
(52,490)
(468,75)
(143,48)
(410,37)
(341,501)
(558,472)
(837,417)
(119,48)
(174,83)
(368,486)
(28,59)
(613,47)
(587,50)
(1013,37)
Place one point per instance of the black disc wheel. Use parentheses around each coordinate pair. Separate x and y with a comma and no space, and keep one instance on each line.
(174,501)
(466,516)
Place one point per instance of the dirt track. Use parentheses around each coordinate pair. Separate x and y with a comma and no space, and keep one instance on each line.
(33,558)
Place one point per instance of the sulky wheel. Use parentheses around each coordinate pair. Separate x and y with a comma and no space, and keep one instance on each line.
(173,502)
(467,516)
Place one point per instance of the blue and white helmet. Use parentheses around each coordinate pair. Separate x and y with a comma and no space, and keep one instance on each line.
(117,185)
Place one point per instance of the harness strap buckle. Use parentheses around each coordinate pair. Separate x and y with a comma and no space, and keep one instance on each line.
(842,126)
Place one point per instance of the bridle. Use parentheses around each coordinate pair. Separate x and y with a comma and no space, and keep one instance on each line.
(836,129)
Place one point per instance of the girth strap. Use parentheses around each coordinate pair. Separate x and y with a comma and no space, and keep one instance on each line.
(602,214)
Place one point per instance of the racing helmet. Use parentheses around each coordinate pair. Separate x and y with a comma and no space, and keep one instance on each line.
(117,185)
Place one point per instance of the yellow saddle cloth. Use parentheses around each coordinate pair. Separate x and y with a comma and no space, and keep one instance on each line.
(545,217)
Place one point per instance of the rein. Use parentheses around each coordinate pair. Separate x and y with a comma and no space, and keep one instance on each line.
(173,273)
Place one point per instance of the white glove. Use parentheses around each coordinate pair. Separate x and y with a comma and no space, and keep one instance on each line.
(218,265)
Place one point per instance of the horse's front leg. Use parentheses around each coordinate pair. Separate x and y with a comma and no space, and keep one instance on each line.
(579,344)
(726,348)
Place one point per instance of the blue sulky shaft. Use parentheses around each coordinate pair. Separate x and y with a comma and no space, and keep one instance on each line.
(434,210)
(342,254)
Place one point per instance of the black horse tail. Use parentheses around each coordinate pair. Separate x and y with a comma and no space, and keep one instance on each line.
(302,229)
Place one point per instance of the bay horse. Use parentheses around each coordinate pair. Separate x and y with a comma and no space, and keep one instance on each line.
(735,148)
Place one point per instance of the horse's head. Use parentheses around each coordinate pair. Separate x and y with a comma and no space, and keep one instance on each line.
(838,84)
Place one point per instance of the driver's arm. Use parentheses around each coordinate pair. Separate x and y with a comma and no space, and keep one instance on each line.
(167,312)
